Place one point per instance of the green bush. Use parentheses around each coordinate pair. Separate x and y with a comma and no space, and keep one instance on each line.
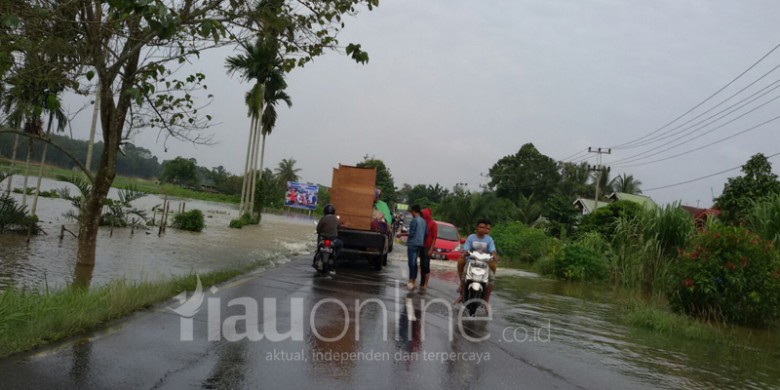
(603,219)
(191,221)
(727,274)
(516,241)
(764,218)
(245,219)
(580,263)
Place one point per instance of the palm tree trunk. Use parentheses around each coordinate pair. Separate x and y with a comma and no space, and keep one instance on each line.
(91,144)
(26,172)
(253,189)
(246,169)
(40,167)
(13,163)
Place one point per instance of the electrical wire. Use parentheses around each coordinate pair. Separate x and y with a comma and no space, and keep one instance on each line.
(636,157)
(669,133)
(700,178)
(625,144)
(705,146)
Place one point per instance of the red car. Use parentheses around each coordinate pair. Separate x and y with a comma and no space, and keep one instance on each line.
(448,243)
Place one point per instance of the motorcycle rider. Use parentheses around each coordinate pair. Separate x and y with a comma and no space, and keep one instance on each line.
(483,243)
(328,229)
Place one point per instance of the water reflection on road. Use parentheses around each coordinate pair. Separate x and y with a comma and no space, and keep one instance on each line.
(585,323)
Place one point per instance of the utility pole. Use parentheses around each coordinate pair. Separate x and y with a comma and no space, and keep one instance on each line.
(598,168)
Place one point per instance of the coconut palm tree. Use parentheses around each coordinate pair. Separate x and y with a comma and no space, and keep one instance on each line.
(262,63)
(286,170)
(626,184)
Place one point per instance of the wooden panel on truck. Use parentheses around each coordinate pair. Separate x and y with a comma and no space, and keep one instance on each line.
(352,193)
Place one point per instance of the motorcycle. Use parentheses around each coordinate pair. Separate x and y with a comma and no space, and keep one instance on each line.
(477,277)
(325,257)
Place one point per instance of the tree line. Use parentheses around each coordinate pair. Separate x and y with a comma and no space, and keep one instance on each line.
(134,161)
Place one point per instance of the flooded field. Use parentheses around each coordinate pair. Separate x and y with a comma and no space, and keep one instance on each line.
(47,260)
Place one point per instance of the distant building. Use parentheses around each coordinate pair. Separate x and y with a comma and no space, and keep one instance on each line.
(587,206)
(700,215)
(645,201)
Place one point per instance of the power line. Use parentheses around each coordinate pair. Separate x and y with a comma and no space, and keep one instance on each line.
(570,157)
(669,133)
(624,145)
(701,178)
(637,157)
(707,145)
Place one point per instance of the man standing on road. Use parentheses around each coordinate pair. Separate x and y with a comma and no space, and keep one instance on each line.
(482,243)
(414,244)
(432,231)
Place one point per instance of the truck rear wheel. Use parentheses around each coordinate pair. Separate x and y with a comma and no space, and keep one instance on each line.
(377,260)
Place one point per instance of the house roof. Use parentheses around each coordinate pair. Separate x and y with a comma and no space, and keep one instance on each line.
(698,213)
(587,204)
(645,201)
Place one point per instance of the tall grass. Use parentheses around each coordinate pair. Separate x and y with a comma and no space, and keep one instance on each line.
(32,318)
(643,247)
(764,219)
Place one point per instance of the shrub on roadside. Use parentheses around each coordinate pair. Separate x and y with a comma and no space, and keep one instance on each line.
(192,221)
(245,219)
(579,263)
(603,219)
(730,274)
(516,241)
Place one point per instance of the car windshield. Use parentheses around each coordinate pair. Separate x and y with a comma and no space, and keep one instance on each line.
(448,233)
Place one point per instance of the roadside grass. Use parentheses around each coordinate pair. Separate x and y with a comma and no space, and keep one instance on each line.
(29,318)
(653,318)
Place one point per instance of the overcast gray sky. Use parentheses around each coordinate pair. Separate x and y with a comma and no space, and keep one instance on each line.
(454,85)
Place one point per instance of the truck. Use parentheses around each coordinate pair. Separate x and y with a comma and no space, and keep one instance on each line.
(352,194)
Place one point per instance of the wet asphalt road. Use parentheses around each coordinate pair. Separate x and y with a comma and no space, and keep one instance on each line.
(309,331)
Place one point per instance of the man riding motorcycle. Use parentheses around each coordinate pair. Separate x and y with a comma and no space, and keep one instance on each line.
(480,242)
(328,229)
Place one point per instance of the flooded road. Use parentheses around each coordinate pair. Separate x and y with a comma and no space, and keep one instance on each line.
(285,327)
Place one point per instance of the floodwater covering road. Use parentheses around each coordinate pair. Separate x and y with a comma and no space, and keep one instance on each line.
(283,326)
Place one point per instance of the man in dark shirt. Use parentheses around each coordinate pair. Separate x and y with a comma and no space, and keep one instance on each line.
(328,228)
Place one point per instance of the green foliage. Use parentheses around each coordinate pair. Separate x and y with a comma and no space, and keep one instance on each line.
(245,219)
(425,196)
(625,184)
(384,179)
(135,161)
(462,209)
(764,218)
(579,263)
(602,220)
(180,171)
(516,241)
(286,171)
(525,173)
(14,218)
(561,216)
(740,192)
(192,221)
(728,273)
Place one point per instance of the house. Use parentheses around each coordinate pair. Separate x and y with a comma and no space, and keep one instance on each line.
(645,201)
(700,215)
(586,206)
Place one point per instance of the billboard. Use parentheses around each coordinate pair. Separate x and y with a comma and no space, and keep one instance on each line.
(301,195)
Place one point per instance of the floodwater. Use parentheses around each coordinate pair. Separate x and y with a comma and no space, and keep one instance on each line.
(583,344)
(50,262)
